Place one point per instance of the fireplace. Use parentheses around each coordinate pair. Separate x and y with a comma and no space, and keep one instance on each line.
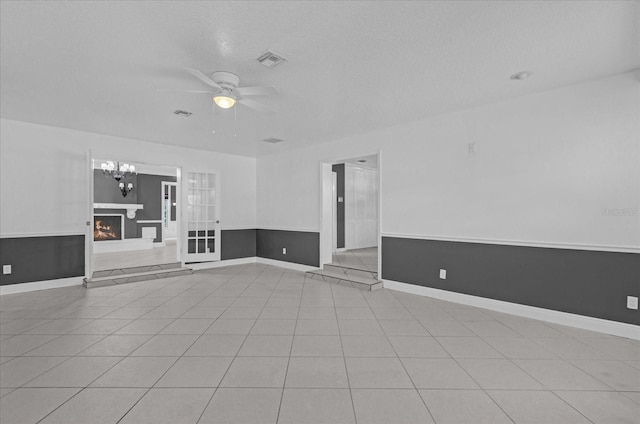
(108,227)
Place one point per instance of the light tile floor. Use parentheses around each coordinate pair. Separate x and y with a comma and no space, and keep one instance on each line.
(260,344)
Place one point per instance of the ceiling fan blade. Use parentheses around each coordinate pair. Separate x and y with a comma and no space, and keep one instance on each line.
(185,91)
(255,105)
(202,77)
(256,91)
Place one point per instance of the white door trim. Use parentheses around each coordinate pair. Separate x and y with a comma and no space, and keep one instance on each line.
(88,242)
(163,184)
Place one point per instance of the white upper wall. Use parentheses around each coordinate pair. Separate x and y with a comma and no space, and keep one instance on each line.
(44,173)
(546,167)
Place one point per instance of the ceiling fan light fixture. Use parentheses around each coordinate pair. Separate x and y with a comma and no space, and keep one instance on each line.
(224,101)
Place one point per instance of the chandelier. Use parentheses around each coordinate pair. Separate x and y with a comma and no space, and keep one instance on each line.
(119,172)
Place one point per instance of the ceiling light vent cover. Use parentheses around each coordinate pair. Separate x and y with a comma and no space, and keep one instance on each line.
(271,59)
(273,140)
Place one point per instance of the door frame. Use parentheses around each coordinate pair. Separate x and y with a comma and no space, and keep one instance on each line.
(326,207)
(88,239)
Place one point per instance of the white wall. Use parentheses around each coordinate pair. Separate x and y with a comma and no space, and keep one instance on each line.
(361,207)
(43,177)
(546,166)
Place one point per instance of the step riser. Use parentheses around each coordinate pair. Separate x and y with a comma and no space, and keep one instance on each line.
(347,274)
(350,271)
(135,278)
(344,281)
(135,270)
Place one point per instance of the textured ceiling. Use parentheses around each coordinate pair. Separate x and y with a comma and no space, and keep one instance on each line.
(352,66)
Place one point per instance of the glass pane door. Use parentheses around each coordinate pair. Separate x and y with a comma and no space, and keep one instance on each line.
(203,241)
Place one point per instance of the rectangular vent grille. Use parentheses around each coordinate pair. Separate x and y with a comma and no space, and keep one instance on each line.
(271,59)
(273,140)
(182,113)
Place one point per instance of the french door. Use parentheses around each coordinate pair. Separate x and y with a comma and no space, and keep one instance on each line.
(202,218)
(169,209)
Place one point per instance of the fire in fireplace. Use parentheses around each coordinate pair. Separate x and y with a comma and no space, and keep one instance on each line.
(107,227)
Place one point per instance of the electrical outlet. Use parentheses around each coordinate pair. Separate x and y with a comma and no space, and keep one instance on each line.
(6,269)
(284,250)
(632,302)
(443,274)
(472,147)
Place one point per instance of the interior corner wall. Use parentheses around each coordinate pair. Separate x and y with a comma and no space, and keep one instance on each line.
(558,167)
(45,203)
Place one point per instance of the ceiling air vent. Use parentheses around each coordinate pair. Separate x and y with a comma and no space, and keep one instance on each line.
(271,59)
(182,113)
(273,140)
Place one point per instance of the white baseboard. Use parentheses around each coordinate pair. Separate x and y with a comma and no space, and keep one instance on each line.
(40,285)
(284,264)
(218,264)
(564,318)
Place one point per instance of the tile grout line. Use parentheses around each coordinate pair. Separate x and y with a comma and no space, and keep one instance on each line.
(235,356)
(293,338)
(83,388)
(165,372)
(127,356)
(546,389)
(344,358)
(463,369)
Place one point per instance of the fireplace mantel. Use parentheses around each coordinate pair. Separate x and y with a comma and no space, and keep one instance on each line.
(131,208)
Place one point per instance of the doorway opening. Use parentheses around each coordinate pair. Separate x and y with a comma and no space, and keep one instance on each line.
(135,223)
(350,235)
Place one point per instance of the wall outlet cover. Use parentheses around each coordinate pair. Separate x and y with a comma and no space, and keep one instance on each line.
(443,274)
(284,250)
(632,302)
(6,269)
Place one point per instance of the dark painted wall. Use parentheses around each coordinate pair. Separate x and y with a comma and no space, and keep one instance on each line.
(302,247)
(589,283)
(147,190)
(42,258)
(150,195)
(105,189)
(54,257)
(339,170)
(236,244)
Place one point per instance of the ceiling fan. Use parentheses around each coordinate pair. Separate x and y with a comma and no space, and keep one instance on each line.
(226,92)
